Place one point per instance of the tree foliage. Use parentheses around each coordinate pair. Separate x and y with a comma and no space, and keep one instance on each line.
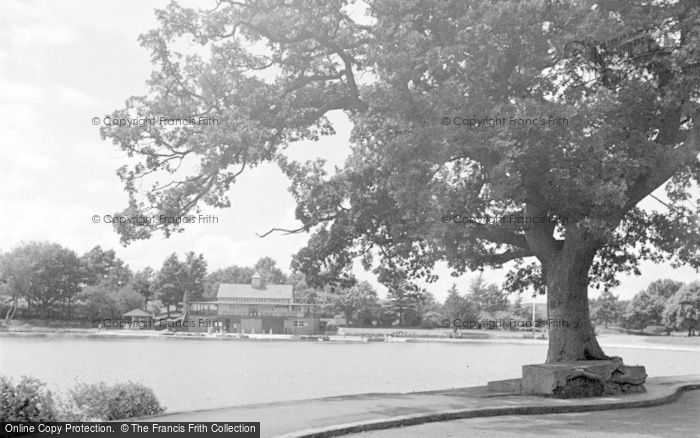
(682,311)
(265,266)
(358,304)
(169,287)
(177,278)
(101,301)
(105,267)
(43,273)
(647,307)
(194,272)
(427,61)
(605,309)
(142,283)
(458,307)
(487,297)
(404,300)
(273,70)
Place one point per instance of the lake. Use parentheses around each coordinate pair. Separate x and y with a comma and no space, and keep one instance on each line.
(191,374)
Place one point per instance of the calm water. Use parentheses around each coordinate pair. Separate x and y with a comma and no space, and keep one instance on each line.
(200,374)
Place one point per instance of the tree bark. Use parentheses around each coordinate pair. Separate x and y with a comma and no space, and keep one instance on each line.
(13,308)
(571,334)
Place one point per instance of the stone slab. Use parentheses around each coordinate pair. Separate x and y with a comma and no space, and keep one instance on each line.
(509,386)
(635,374)
(554,379)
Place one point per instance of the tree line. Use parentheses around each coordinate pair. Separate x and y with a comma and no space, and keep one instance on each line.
(668,304)
(43,280)
(48,281)
(53,282)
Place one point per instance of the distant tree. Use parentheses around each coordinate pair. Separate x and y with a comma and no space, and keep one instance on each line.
(128,299)
(232,274)
(517,307)
(98,303)
(683,309)
(270,273)
(143,284)
(105,267)
(494,299)
(102,301)
(430,311)
(265,266)
(431,319)
(664,289)
(605,308)
(404,299)
(640,311)
(386,316)
(367,313)
(647,307)
(458,307)
(303,293)
(193,275)
(16,269)
(357,303)
(55,275)
(169,285)
(486,298)
(477,291)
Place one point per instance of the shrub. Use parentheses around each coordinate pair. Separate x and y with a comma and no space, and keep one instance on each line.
(98,401)
(27,401)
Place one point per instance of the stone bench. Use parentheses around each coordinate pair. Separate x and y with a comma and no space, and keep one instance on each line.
(577,379)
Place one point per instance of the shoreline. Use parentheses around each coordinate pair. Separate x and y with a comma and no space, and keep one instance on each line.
(607,341)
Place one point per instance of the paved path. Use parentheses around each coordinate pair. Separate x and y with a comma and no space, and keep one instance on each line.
(680,419)
(357,413)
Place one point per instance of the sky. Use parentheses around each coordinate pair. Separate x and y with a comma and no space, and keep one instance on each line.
(63,63)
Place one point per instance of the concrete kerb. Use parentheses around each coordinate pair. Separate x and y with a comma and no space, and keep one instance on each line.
(416,419)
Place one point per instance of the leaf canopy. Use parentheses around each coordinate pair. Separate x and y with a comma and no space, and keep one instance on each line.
(270,71)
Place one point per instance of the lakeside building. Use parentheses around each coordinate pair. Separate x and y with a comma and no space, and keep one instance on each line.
(138,319)
(253,308)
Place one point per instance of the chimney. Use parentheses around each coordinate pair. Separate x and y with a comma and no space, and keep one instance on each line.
(257,281)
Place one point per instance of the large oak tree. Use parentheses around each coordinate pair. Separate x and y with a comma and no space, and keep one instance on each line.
(272,70)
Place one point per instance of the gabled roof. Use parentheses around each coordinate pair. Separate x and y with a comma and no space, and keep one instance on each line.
(137,312)
(275,291)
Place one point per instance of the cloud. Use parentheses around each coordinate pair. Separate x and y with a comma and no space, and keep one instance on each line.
(27,161)
(13,91)
(40,35)
(27,25)
(41,218)
(73,97)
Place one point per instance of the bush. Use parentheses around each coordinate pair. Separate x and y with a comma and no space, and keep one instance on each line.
(27,401)
(98,401)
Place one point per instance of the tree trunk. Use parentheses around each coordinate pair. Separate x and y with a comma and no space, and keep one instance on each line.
(13,308)
(571,334)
